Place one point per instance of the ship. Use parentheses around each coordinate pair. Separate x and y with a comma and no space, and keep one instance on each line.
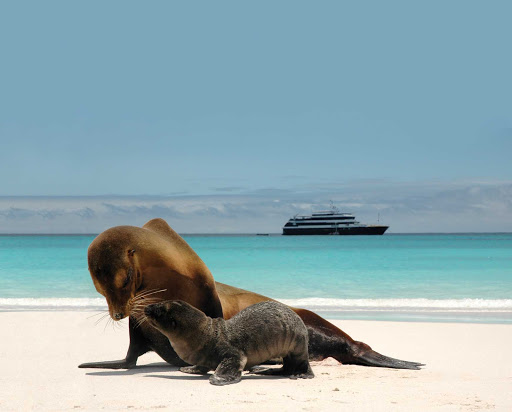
(330,222)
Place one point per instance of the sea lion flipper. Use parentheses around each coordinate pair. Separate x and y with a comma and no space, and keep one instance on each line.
(117,364)
(259,370)
(138,346)
(195,369)
(372,358)
(229,371)
(307,373)
(325,339)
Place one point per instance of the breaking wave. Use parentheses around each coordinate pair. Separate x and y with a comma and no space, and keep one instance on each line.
(52,304)
(315,304)
(408,305)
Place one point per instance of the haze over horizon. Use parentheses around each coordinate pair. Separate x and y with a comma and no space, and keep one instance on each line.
(232,117)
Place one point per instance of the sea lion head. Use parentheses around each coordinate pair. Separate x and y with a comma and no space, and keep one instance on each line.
(174,318)
(114,268)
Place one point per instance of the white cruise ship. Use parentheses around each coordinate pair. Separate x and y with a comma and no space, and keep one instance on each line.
(330,222)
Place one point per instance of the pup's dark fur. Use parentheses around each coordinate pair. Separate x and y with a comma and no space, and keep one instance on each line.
(257,334)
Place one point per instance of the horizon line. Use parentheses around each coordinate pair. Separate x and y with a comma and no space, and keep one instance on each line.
(263,234)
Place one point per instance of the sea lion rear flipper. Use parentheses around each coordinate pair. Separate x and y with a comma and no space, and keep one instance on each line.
(372,358)
(229,371)
(290,368)
(260,370)
(325,339)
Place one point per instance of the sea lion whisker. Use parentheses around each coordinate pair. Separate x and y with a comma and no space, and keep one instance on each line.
(98,321)
(107,323)
(149,292)
(144,300)
(96,314)
(119,325)
(136,315)
(140,305)
(147,301)
(137,310)
(143,319)
(145,292)
(103,316)
(139,315)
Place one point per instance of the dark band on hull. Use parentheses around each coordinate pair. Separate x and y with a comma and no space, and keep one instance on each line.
(367,230)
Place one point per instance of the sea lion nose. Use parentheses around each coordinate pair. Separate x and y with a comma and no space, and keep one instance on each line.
(118,316)
(151,310)
(154,310)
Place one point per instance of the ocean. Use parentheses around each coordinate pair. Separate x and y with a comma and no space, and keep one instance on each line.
(409,277)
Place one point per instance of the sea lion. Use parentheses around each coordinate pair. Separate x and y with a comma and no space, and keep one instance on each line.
(132,267)
(256,334)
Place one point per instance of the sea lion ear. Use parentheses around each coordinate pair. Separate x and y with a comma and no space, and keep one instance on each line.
(131,252)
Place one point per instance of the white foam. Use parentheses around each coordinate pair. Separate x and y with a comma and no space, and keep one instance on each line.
(318,304)
(410,305)
(52,303)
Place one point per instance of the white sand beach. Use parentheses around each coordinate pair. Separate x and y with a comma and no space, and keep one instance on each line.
(468,368)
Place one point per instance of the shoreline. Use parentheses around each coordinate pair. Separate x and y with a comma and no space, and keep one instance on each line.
(478,311)
(482,318)
(468,367)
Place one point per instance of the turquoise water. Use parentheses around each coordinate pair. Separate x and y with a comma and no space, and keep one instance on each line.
(380,275)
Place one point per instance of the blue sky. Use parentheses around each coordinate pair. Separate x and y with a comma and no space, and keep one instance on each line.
(288,101)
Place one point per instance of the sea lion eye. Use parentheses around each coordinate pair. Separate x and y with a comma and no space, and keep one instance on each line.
(128,277)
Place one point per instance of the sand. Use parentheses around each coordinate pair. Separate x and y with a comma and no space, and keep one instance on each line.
(469,368)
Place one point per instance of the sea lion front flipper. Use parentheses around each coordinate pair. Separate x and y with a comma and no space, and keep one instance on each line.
(195,369)
(138,346)
(117,364)
(229,371)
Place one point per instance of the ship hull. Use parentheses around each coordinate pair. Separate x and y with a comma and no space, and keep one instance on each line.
(364,230)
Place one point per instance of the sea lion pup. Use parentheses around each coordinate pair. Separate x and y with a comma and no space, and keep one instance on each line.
(260,332)
(132,267)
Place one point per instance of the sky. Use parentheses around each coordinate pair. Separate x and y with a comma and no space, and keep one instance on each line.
(230,116)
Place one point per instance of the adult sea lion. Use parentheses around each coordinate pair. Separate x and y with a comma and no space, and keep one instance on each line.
(256,334)
(133,266)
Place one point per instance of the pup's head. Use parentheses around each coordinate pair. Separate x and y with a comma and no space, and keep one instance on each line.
(174,317)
